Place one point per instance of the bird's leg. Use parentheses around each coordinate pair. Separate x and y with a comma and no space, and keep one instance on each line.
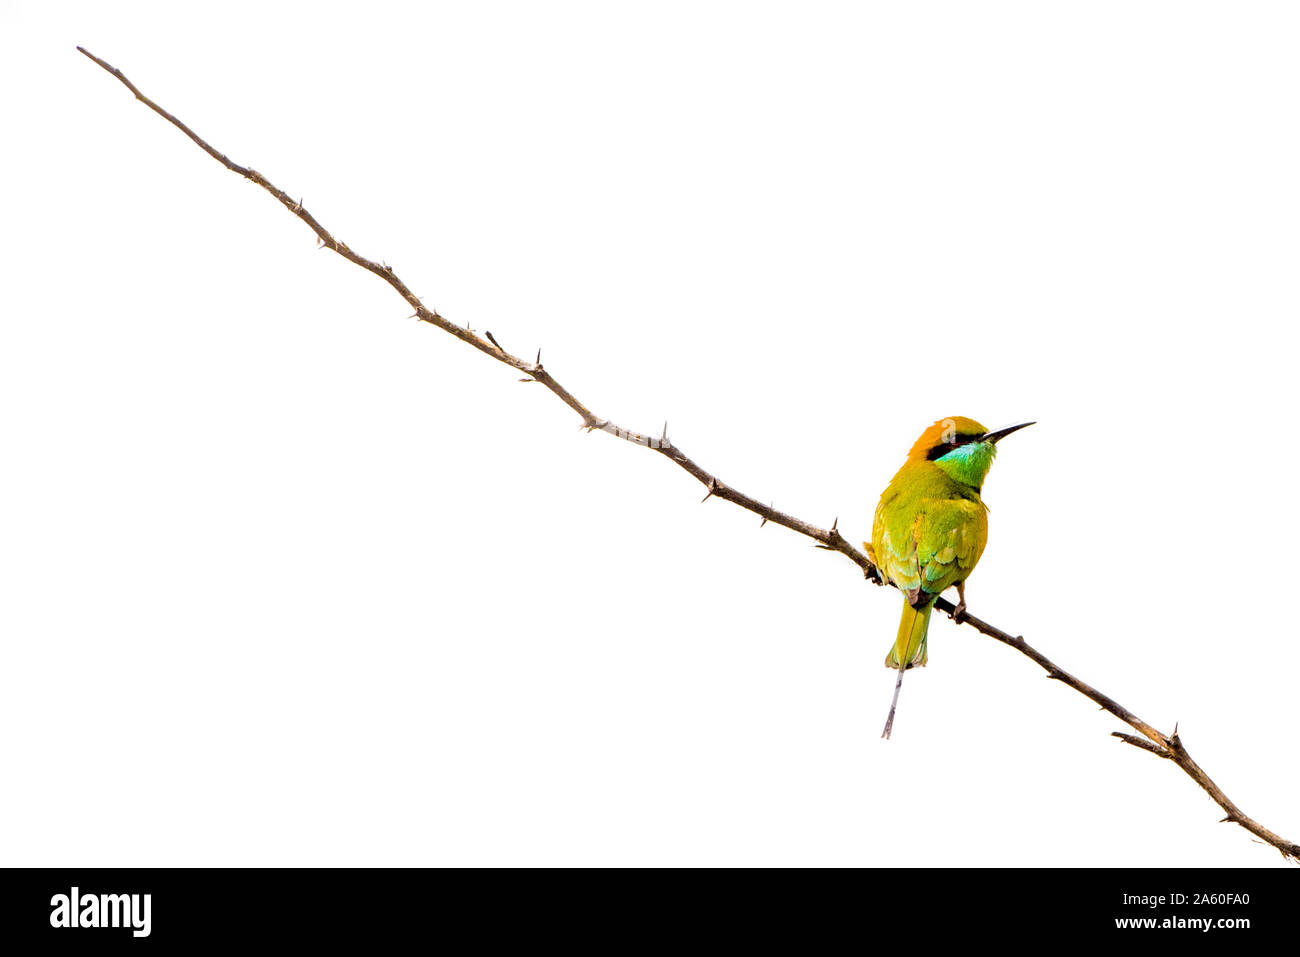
(959,612)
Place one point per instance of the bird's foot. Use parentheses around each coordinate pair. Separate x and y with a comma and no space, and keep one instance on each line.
(959,613)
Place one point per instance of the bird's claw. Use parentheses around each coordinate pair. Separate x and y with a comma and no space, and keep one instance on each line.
(959,613)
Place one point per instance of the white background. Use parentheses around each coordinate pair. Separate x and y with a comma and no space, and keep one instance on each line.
(289,578)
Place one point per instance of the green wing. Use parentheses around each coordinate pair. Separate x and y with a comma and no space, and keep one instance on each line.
(928,544)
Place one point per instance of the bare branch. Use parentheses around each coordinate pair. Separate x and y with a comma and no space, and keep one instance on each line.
(1166,747)
(488,344)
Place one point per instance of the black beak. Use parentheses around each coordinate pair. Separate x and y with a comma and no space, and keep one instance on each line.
(1002,433)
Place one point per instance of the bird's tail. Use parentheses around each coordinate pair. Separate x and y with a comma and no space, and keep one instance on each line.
(908,650)
(909,647)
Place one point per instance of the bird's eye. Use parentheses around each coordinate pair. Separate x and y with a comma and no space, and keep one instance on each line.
(944,447)
(939,451)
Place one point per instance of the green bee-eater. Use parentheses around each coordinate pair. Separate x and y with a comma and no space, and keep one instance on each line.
(930,529)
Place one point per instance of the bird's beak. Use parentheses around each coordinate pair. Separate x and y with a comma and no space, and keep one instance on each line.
(1002,433)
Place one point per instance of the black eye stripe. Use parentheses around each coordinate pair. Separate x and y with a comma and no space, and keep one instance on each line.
(943,448)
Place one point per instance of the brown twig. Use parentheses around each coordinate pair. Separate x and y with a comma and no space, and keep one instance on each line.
(535,371)
(1166,747)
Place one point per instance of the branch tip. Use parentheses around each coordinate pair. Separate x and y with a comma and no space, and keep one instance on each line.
(1142,743)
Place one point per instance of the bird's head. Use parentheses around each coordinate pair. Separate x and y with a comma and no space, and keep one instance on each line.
(961,447)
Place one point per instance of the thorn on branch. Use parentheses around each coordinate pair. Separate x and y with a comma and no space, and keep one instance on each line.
(713,487)
(1175,742)
(492,339)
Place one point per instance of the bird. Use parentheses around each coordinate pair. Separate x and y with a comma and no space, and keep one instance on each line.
(930,529)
